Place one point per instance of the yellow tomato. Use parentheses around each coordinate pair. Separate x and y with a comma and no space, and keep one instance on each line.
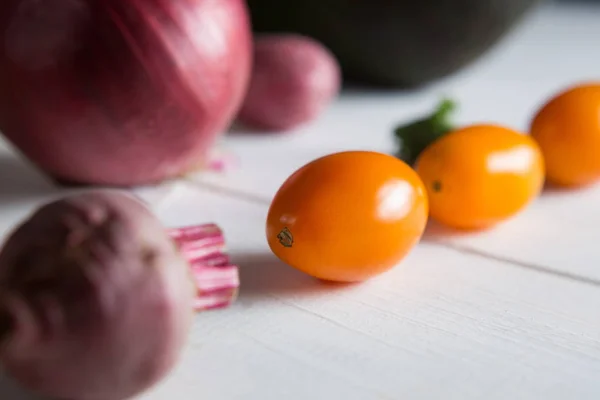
(347,216)
(567,129)
(480,175)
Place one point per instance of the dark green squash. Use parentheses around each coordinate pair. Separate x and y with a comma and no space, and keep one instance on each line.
(395,43)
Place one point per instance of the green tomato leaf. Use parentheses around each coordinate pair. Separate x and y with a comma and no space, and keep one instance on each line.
(415,136)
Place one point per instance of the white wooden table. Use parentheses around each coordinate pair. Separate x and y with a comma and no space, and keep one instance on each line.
(513,313)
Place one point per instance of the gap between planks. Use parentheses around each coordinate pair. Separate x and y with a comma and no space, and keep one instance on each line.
(263,201)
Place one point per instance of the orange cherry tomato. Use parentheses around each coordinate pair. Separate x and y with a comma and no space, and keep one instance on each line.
(480,175)
(348,216)
(567,129)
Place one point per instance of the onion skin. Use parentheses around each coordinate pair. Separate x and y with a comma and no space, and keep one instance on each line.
(294,79)
(121,92)
(96,300)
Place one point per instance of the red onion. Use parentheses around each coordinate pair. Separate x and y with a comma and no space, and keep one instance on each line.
(121,92)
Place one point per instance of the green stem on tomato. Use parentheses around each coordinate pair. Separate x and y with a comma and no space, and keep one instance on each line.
(415,136)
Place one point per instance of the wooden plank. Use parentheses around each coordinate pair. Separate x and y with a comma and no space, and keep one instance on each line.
(440,325)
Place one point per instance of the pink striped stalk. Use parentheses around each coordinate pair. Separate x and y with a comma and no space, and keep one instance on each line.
(217,279)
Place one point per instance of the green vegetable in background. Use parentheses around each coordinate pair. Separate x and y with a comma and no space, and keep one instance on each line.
(414,137)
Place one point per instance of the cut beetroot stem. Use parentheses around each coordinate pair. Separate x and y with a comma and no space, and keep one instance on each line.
(217,279)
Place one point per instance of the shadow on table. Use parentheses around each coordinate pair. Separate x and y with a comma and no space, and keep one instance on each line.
(262,275)
(435,231)
(20,181)
(560,191)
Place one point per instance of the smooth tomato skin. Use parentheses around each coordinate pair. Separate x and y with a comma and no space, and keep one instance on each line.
(567,129)
(480,175)
(352,215)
